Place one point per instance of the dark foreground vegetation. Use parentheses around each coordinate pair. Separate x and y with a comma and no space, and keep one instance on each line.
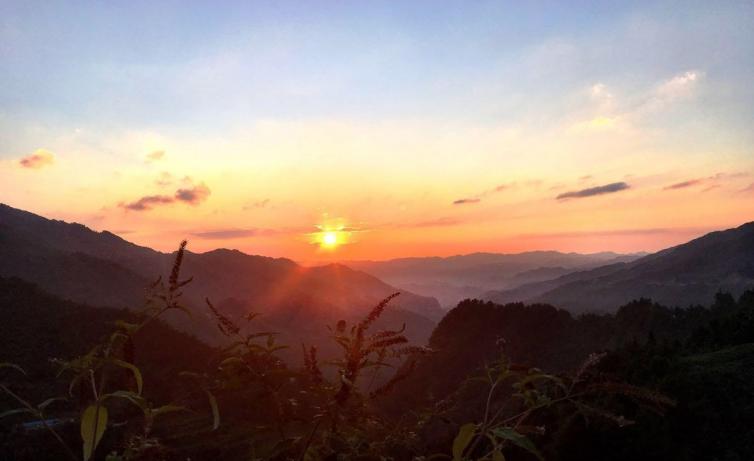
(495,382)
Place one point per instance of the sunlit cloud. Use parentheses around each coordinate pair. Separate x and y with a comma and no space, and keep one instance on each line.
(592,191)
(39,159)
(680,85)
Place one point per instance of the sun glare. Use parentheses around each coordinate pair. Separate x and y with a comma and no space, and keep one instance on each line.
(329,239)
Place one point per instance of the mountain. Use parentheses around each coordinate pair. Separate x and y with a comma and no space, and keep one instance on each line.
(460,277)
(681,276)
(102,269)
(36,326)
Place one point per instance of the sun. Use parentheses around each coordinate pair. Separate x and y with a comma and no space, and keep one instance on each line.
(330,239)
(331,234)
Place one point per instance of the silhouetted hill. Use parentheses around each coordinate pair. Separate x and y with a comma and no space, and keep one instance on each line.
(682,275)
(99,268)
(36,326)
(455,278)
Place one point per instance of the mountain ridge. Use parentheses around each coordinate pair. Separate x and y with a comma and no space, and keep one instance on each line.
(680,275)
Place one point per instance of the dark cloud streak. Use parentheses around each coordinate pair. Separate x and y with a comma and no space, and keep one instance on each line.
(148,202)
(684,184)
(466,201)
(592,191)
(193,195)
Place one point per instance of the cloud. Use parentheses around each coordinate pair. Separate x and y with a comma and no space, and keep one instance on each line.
(466,201)
(148,202)
(749,189)
(193,195)
(499,188)
(592,191)
(714,179)
(221,234)
(39,159)
(155,156)
(680,85)
(684,184)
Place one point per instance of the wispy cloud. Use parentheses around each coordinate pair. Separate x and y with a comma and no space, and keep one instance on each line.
(684,184)
(466,201)
(38,159)
(592,191)
(712,182)
(499,188)
(148,202)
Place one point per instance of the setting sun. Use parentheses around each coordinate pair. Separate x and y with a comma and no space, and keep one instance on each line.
(330,239)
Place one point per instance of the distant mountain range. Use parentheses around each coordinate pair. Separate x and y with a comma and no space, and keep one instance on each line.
(101,269)
(455,278)
(688,274)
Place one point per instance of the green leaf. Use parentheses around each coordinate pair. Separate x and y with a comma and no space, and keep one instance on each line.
(12,365)
(215,410)
(132,397)
(462,440)
(93,424)
(520,440)
(135,370)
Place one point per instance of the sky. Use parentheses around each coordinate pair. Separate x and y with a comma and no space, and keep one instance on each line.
(345,130)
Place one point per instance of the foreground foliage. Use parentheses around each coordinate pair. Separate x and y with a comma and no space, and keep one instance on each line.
(243,402)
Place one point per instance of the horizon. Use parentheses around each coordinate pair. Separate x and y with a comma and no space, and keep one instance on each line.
(314,263)
(335,132)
